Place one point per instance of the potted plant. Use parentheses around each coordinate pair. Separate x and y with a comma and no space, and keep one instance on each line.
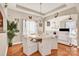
(11,30)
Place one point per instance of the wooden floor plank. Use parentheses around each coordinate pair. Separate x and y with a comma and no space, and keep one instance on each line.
(63,50)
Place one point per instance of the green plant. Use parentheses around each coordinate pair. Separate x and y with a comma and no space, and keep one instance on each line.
(11,30)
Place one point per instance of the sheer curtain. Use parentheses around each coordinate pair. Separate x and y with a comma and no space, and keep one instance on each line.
(29,27)
(72,26)
(73,31)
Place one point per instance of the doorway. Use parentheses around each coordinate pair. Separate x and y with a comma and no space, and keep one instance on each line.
(1,22)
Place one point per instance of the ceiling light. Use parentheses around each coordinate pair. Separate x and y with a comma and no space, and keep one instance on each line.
(70,18)
(41,11)
(30,17)
(5,5)
(56,15)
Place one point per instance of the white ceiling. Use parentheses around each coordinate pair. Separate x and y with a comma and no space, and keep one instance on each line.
(34,8)
(45,7)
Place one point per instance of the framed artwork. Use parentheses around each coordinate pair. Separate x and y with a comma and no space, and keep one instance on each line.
(48,23)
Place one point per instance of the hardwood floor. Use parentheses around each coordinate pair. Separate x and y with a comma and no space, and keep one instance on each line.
(63,50)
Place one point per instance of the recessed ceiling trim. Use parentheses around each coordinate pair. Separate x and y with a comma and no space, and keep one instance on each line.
(28,9)
(60,7)
(31,10)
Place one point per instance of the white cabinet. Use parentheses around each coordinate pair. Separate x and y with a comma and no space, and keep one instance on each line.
(63,37)
(3,44)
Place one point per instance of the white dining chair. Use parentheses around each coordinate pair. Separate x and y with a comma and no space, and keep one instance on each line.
(45,47)
(29,47)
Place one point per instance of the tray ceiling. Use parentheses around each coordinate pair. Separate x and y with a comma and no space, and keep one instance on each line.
(34,8)
(45,7)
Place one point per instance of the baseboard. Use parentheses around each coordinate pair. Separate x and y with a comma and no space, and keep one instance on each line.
(17,43)
(69,45)
(65,44)
(62,42)
(6,51)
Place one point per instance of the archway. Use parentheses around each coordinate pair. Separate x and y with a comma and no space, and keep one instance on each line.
(1,22)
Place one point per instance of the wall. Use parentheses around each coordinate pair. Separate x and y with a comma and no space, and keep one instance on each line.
(66,12)
(15,14)
(12,15)
(4,14)
(1,22)
(60,21)
(3,44)
(78,30)
(3,34)
(69,11)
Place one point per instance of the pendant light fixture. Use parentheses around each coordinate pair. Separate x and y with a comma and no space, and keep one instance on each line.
(56,15)
(30,17)
(40,21)
(5,5)
(70,18)
(41,10)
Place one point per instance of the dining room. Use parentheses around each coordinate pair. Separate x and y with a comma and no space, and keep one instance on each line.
(42,29)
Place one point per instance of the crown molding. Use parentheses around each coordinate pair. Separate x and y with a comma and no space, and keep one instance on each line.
(28,9)
(37,12)
(60,7)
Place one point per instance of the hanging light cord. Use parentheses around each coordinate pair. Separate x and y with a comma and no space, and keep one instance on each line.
(40,7)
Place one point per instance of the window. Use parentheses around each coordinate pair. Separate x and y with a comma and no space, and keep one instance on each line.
(29,27)
(72,26)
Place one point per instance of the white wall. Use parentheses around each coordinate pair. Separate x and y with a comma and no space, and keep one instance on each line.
(58,21)
(3,44)
(4,14)
(12,15)
(3,35)
(49,30)
(15,14)
(78,25)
